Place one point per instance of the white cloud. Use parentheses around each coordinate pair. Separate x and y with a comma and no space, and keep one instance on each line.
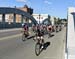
(47,2)
(27,2)
(21,0)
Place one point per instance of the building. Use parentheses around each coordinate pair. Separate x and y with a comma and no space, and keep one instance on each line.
(40,17)
(53,19)
(18,17)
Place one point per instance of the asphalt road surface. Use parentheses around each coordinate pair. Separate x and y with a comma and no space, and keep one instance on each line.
(9,32)
(12,47)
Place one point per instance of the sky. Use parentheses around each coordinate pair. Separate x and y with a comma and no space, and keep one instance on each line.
(57,8)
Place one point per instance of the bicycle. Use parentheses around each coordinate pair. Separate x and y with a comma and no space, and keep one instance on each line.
(39,45)
(24,35)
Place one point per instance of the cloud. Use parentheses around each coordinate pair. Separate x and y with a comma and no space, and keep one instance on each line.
(47,2)
(21,0)
(27,2)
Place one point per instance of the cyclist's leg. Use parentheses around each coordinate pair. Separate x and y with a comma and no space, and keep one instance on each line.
(35,37)
(42,40)
(49,34)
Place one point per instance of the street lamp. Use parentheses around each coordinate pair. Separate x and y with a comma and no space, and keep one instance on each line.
(39,18)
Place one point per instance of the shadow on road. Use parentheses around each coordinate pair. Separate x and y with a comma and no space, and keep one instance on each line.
(52,35)
(57,31)
(30,37)
(45,46)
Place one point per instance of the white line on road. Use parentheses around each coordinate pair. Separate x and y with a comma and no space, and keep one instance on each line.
(7,30)
(49,57)
(9,37)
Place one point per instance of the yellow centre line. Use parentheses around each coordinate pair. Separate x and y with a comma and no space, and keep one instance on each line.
(9,37)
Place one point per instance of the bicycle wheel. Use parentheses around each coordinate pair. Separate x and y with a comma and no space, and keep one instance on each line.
(23,37)
(37,49)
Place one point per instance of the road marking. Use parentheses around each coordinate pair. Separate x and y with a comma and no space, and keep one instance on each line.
(9,37)
(49,57)
(8,30)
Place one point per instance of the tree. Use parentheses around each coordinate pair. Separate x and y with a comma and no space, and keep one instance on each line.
(59,21)
(55,22)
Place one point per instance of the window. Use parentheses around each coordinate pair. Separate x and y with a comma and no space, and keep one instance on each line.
(0,18)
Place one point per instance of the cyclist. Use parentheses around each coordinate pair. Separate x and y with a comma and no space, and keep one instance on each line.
(25,28)
(60,27)
(39,30)
(40,35)
(49,29)
(56,28)
(34,28)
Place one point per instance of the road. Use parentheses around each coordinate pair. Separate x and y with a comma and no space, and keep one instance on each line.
(12,47)
(9,32)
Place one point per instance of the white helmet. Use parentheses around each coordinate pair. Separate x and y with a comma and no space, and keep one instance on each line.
(22,24)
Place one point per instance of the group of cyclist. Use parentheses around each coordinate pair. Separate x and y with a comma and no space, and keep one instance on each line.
(40,30)
(43,28)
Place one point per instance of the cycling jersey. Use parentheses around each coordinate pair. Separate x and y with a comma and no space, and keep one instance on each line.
(39,32)
(49,28)
(25,27)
